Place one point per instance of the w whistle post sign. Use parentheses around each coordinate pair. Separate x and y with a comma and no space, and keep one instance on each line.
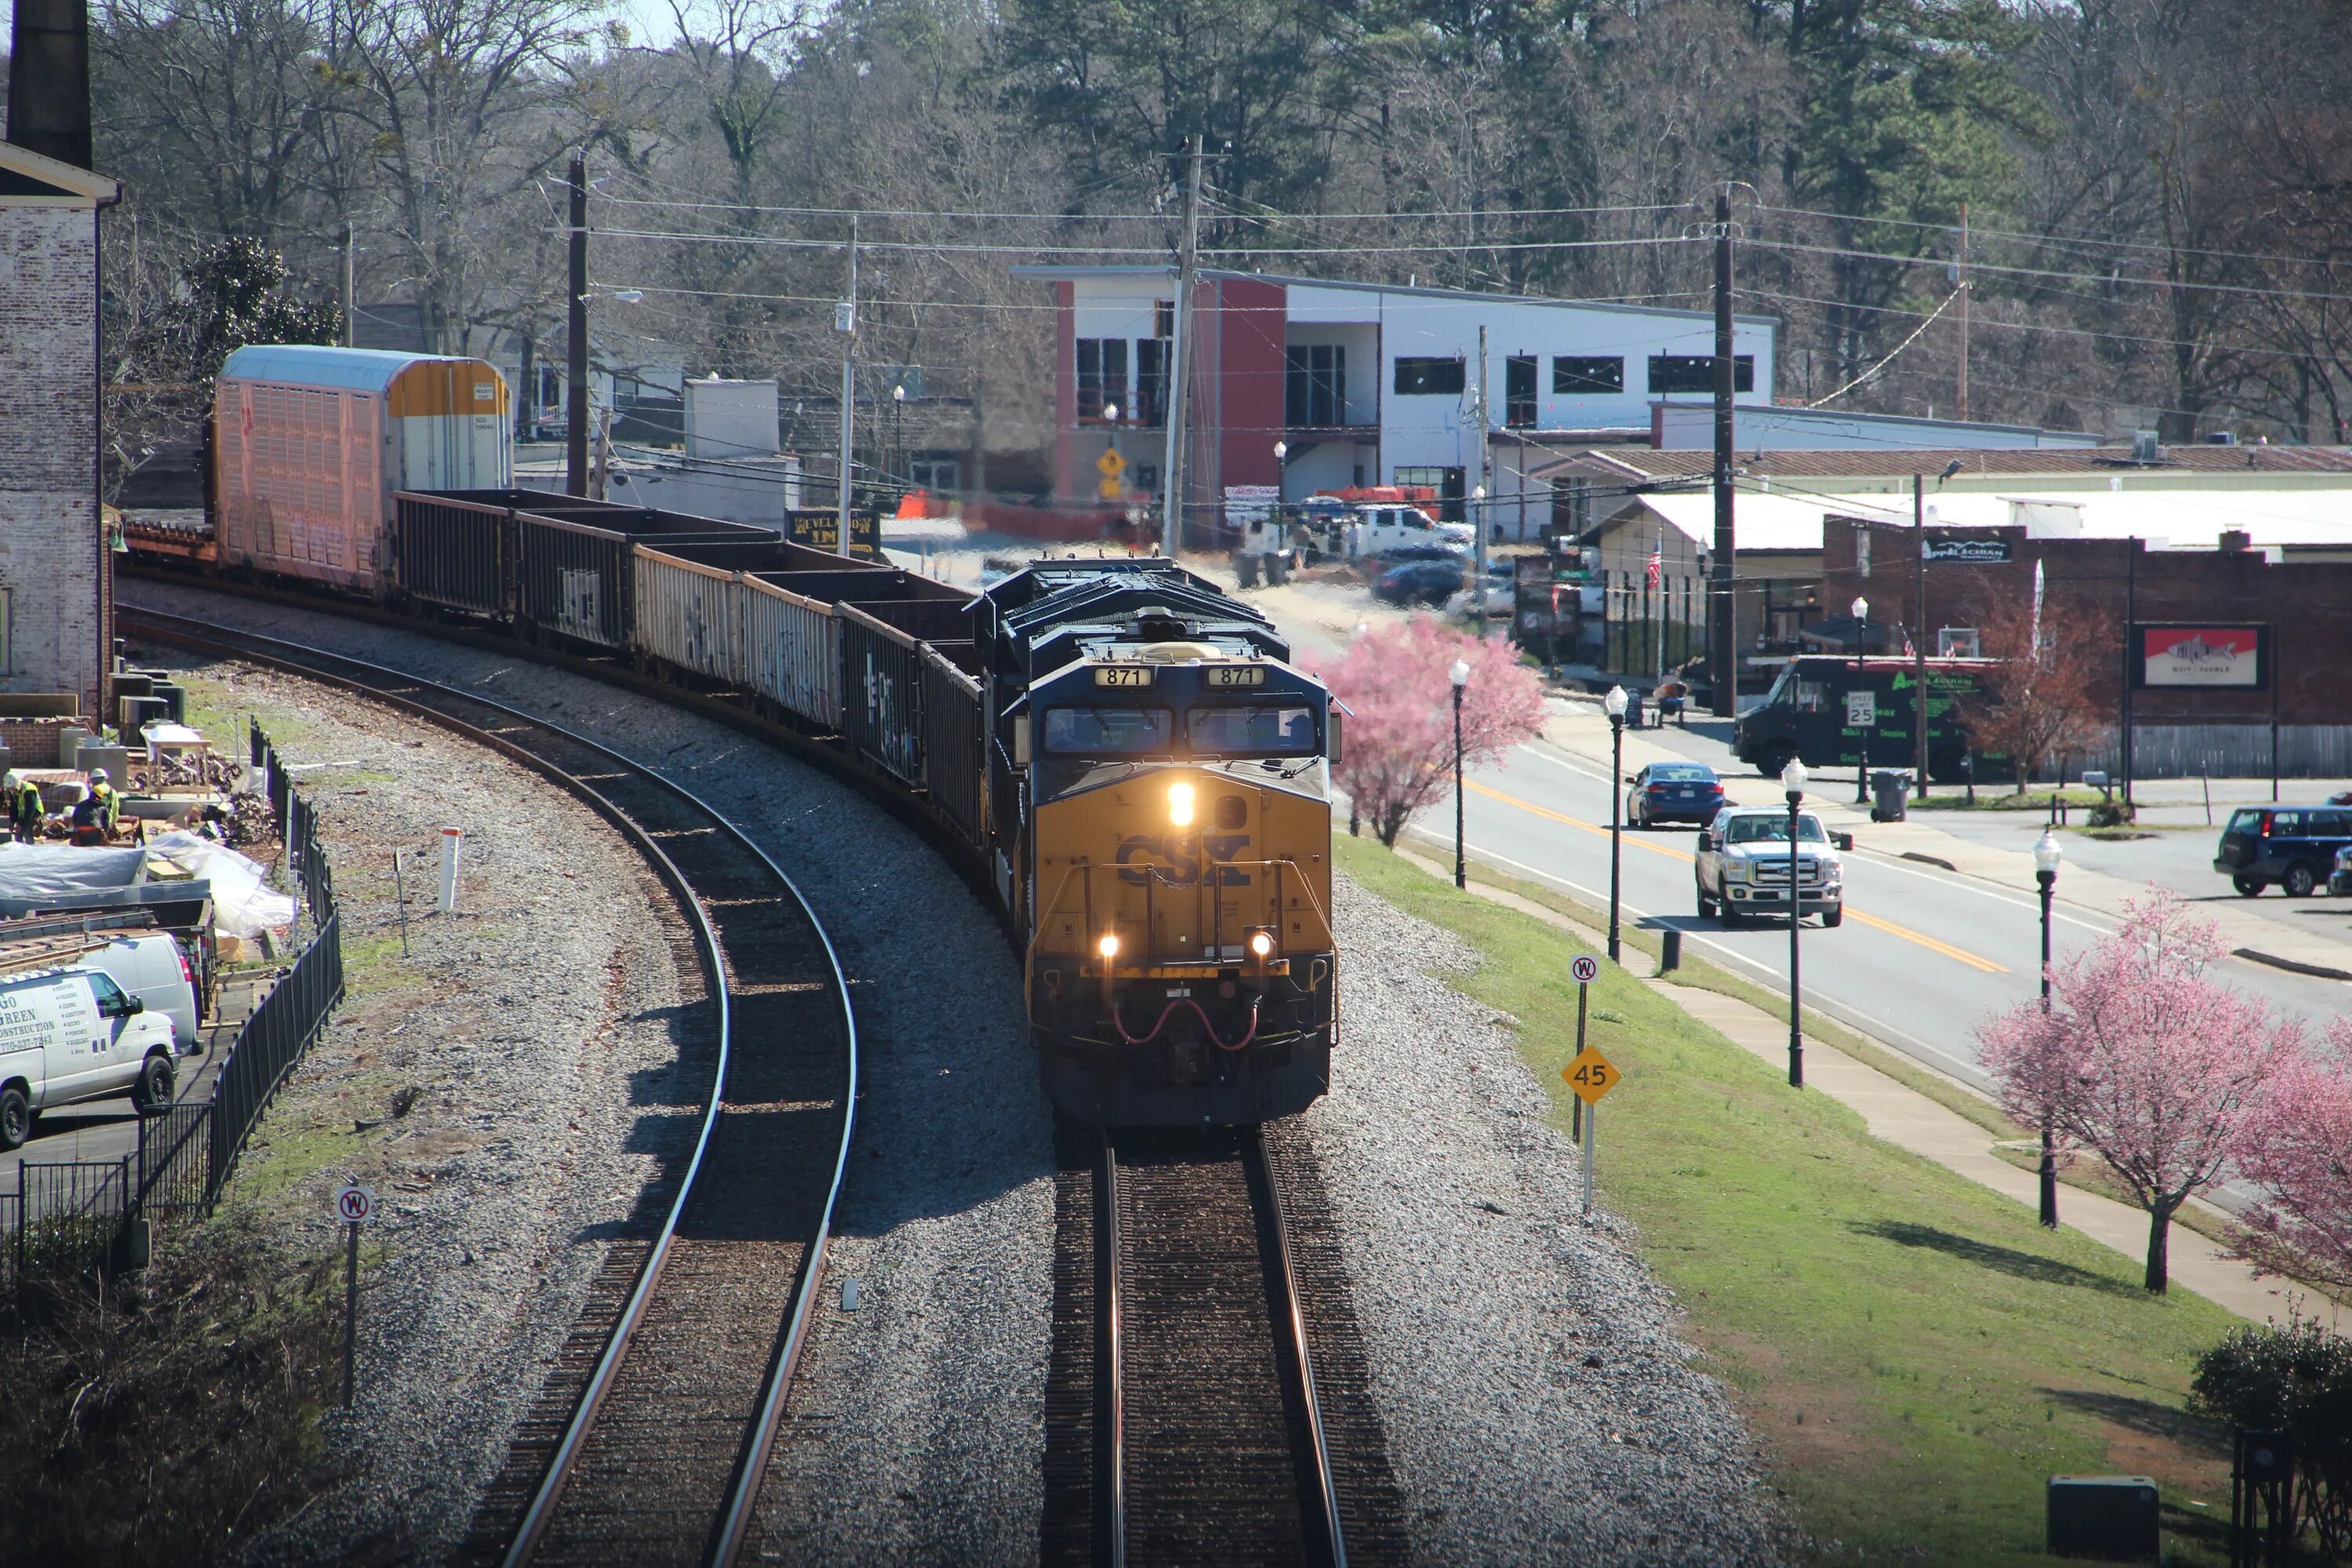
(2181,655)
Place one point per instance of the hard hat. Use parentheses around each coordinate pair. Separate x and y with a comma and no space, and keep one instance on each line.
(98,776)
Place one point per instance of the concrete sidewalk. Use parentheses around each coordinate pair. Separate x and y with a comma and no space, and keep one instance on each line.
(1579,728)
(1904,1116)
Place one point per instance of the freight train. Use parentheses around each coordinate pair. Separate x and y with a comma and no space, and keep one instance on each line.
(1121,751)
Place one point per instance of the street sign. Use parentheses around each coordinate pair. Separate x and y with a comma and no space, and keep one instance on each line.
(1110,465)
(355,1204)
(1584,969)
(1860,708)
(1590,1075)
(1110,489)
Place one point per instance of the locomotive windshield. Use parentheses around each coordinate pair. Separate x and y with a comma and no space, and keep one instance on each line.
(1107,732)
(1257,730)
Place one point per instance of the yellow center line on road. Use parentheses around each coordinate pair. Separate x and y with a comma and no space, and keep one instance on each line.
(1959,956)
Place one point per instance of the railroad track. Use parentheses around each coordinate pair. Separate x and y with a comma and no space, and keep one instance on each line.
(1187,1422)
(652,1436)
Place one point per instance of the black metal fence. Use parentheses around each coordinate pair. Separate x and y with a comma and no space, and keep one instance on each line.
(72,1215)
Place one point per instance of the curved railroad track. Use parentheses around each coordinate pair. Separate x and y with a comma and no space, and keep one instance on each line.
(1187,1420)
(654,1432)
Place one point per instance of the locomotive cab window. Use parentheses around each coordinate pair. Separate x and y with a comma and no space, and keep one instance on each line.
(1107,732)
(1256,729)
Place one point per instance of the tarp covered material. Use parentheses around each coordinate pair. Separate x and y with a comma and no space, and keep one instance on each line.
(243,905)
(45,870)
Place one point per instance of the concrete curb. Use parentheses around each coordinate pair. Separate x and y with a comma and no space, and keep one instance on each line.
(2294,965)
(1931,860)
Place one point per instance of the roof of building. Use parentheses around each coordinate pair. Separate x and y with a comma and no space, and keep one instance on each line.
(315,364)
(30,178)
(2181,520)
(1892,426)
(1647,465)
(1420,290)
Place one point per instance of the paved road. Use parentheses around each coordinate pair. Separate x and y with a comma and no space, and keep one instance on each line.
(1924,953)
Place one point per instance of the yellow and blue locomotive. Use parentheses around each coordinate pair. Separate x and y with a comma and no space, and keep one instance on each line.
(1159,805)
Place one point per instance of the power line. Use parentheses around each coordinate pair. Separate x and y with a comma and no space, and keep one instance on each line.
(2024,326)
(2101,278)
(2055,237)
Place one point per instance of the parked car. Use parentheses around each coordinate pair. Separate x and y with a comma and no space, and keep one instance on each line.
(1672,792)
(1381,529)
(1498,594)
(1404,552)
(151,967)
(73,1035)
(2340,880)
(2292,846)
(1420,582)
(1742,866)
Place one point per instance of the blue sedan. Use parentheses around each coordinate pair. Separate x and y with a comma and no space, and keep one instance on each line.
(1672,792)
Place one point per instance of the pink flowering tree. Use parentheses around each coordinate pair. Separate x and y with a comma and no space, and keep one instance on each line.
(2142,1057)
(1397,743)
(2300,1159)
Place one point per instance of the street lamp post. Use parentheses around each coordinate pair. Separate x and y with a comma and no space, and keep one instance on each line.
(1614,705)
(2046,855)
(1792,780)
(898,426)
(1460,676)
(1478,557)
(1861,608)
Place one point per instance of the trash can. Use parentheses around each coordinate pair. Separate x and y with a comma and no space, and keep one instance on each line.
(1890,792)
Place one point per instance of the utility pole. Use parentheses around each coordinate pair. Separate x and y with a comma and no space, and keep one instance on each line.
(1176,477)
(844,321)
(1486,487)
(1919,629)
(1963,282)
(1723,650)
(575,429)
(351,284)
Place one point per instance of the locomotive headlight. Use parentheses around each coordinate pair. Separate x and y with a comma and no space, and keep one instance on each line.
(1180,805)
(1262,944)
(1107,946)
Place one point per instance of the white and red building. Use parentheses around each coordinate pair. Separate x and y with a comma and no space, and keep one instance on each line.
(1363,385)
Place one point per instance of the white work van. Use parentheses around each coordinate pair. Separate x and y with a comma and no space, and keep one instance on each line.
(152,967)
(1382,528)
(68,1035)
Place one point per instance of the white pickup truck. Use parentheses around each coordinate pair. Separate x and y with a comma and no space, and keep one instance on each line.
(1382,527)
(75,1035)
(1741,866)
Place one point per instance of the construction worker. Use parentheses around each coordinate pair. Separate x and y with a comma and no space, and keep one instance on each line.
(89,820)
(24,808)
(108,799)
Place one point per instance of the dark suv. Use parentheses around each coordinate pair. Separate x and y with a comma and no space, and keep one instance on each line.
(2292,846)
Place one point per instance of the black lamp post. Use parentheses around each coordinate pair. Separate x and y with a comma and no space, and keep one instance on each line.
(1460,676)
(1792,780)
(1861,608)
(1614,706)
(2046,855)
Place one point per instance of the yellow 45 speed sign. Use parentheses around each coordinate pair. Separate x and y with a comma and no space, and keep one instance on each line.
(1590,1075)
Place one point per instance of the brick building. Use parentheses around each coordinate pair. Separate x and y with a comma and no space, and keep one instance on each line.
(56,572)
(2232,642)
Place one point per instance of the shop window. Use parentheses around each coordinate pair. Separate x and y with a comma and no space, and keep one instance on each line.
(1429,377)
(1576,376)
(1696,372)
(1102,375)
(1315,386)
(1519,392)
(1151,381)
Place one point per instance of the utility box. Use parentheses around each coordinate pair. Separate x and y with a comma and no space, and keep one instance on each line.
(2110,1517)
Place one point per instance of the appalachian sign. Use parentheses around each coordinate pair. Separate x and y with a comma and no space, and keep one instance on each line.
(1590,1075)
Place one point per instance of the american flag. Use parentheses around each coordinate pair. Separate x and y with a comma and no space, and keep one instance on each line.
(1655,569)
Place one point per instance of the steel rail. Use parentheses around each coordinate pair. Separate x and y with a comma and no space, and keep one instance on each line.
(1255,1149)
(1114,1352)
(743,1486)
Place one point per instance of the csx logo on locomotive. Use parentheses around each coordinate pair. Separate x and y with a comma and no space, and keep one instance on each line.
(1178,857)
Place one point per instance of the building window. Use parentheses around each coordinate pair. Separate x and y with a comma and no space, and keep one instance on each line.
(1151,381)
(1102,375)
(1519,392)
(1315,386)
(1696,372)
(1164,318)
(1447,482)
(939,476)
(1578,377)
(1958,642)
(1429,377)
(1147,475)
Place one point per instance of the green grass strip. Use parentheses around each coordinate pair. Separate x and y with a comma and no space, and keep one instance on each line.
(1916,1354)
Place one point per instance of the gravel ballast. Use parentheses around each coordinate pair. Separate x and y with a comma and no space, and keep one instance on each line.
(914,1433)
(1540,1406)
